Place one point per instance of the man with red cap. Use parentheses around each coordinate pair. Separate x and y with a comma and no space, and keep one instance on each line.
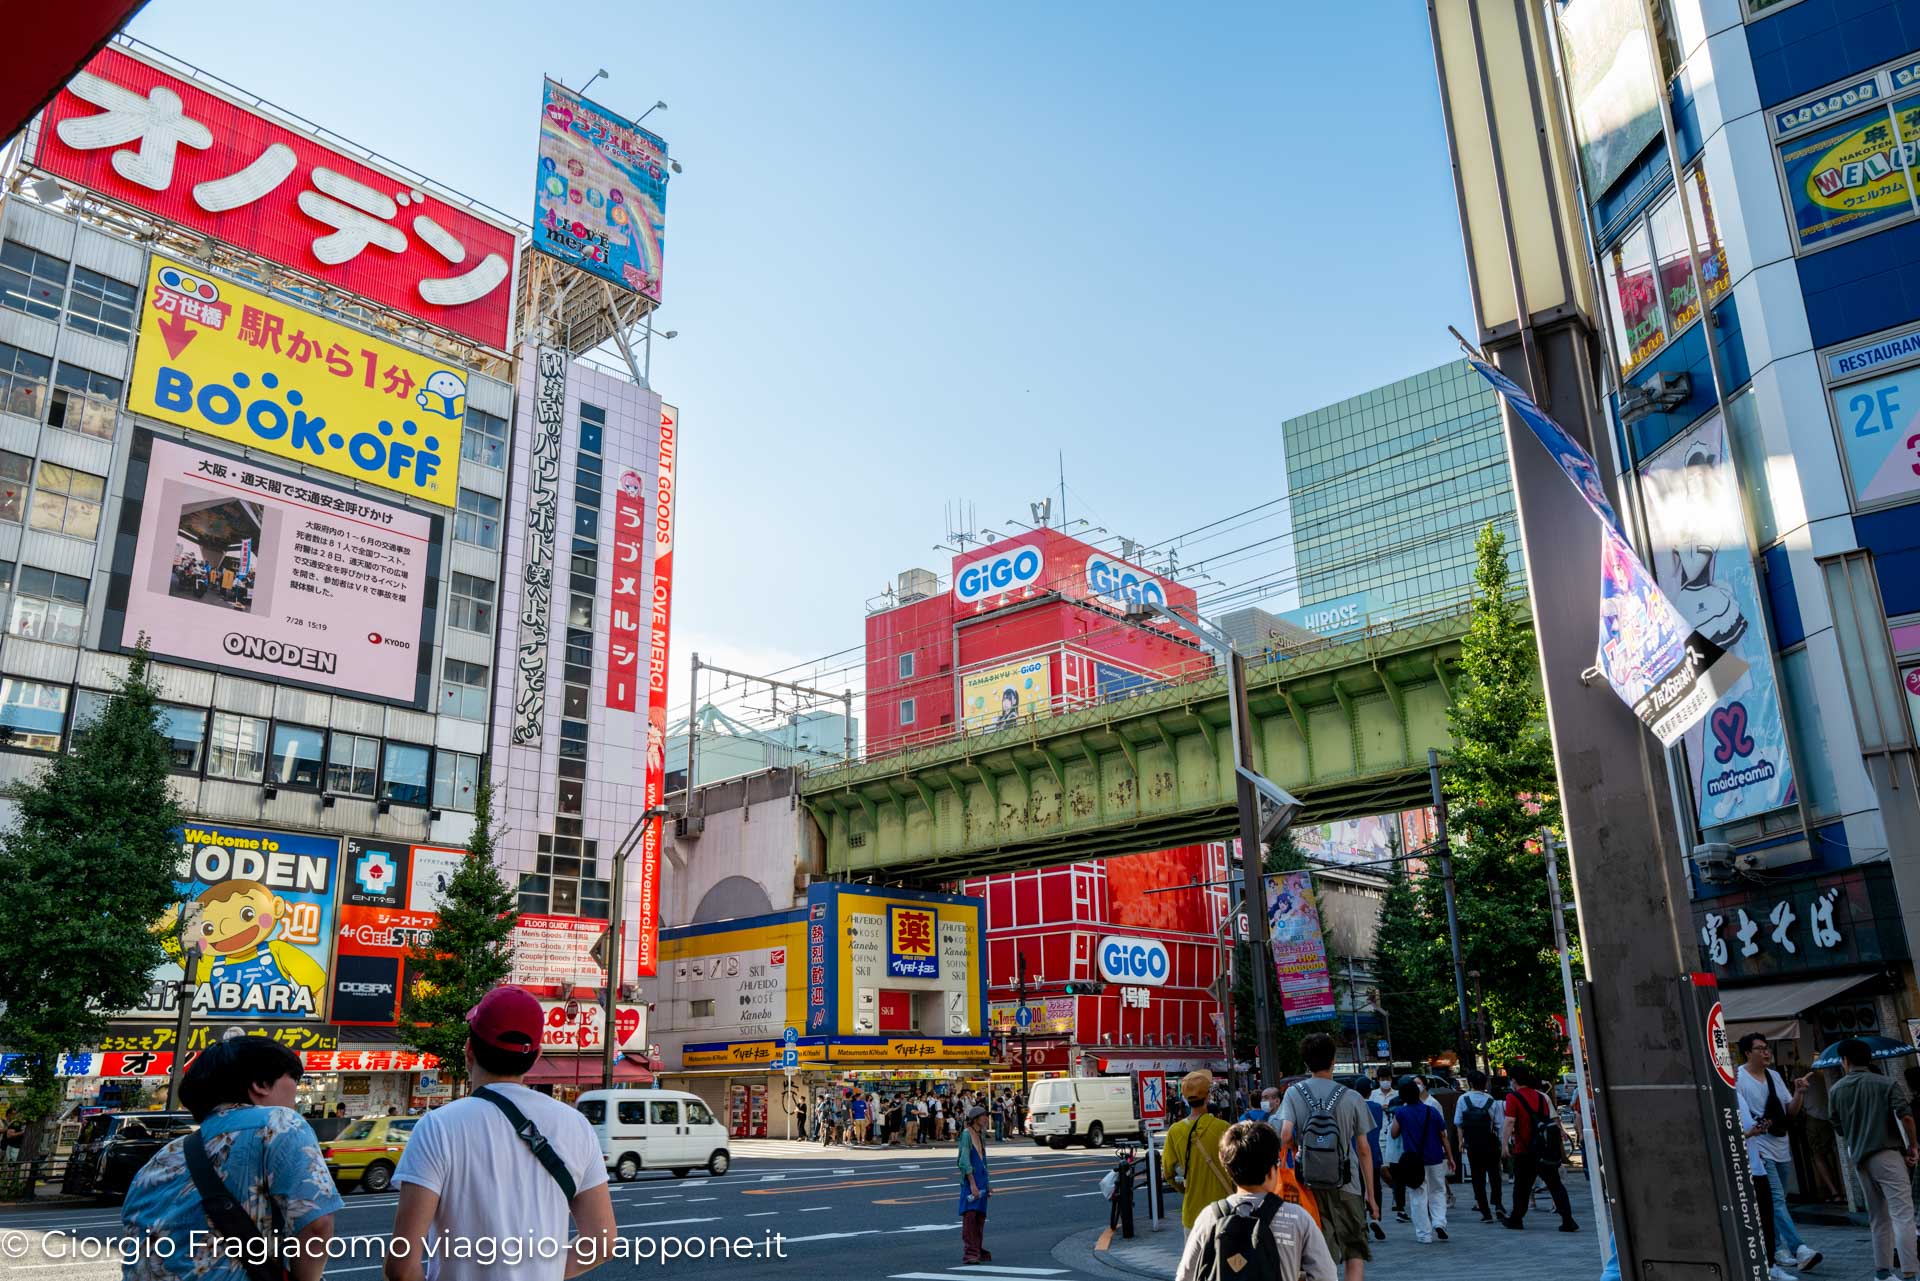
(504,1162)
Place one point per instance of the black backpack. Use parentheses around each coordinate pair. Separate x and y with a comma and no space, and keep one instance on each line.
(1546,1145)
(1476,1123)
(1243,1245)
(1325,1161)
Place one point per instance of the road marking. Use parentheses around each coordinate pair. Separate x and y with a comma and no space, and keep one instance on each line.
(879,1182)
(761,1214)
(843,1172)
(1000,1269)
(986,1270)
(668,1223)
(947,1196)
(816,1209)
(1019,1178)
(831,1236)
(1071,1195)
(927,1227)
(772,1178)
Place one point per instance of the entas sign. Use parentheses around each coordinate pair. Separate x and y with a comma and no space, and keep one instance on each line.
(1134,961)
(143,137)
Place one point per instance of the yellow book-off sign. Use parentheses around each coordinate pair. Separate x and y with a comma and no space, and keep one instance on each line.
(260,372)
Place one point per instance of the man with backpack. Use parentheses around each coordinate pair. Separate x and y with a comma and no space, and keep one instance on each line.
(506,1162)
(1532,1134)
(1320,1122)
(1252,1234)
(1480,1118)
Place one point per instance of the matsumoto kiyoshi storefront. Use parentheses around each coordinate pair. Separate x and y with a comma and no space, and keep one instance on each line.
(885,991)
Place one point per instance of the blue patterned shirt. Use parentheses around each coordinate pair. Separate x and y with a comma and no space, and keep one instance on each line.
(266,1156)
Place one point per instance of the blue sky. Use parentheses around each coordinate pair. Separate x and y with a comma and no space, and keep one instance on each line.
(918,249)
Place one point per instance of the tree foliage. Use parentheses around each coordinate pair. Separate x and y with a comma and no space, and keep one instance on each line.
(1413,966)
(1501,791)
(88,868)
(472,948)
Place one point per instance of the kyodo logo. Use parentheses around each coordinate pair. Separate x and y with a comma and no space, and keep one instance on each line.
(1133,961)
(996,575)
(1110,580)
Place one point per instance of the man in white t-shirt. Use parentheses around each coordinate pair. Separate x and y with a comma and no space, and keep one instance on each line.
(470,1186)
(1766,1096)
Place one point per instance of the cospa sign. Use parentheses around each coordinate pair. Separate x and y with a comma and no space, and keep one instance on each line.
(996,575)
(1134,961)
(1121,584)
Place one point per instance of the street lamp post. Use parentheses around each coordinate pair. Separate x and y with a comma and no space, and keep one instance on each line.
(609,1035)
(183,1016)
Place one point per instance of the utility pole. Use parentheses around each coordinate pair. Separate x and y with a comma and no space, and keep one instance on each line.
(1589,1149)
(1254,893)
(1353,1004)
(1021,991)
(183,1017)
(1464,1043)
(610,1033)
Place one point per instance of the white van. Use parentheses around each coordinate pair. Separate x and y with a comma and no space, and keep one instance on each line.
(655,1130)
(1092,1108)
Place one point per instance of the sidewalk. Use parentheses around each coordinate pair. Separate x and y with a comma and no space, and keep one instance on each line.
(1481,1252)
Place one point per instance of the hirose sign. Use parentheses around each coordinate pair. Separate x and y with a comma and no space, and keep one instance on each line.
(1134,961)
(1012,570)
(141,136)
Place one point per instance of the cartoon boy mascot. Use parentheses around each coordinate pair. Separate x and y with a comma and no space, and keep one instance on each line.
(233,924)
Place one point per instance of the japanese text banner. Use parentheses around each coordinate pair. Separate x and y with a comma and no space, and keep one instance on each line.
(143,137)
(259,572)
(224,360)
(1668,673)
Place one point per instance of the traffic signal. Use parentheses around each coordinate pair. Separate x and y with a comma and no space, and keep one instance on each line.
(1088,988)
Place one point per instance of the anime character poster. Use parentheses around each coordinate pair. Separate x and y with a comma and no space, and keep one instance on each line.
(600,200)
(1738,754)
(255,918)
(1299,948)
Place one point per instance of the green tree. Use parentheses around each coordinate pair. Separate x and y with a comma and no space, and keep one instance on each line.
(1413,967)
(97,831)
(472,948)
(1501,791)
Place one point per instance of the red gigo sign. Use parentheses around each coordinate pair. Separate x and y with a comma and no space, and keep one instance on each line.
(142,137)
(623,632)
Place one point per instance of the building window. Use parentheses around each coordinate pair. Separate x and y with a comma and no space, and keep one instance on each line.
(16,477)
(1845,156)
(1651,296)
(476,520)
(67,501)
(101,305)
(535,894)
(31,281)
(456,777)
(237,747)
(296,755)
(463,690)
(470,603)
(906,666)
(48,606)
(484,440)
(702,1009)
(353,765)
(23,380)
(32,714)
(906,712)
(404,774)
(184,728)
(83,401)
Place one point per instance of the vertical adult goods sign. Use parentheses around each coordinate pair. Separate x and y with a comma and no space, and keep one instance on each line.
(623,627)
(1299,948)
(1697,534)
(600,199)
(647,946)
(141,136)
(536,576)
(234,363)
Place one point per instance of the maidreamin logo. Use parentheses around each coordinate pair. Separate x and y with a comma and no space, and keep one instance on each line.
(263,650)
(1011,570)
(1121,584)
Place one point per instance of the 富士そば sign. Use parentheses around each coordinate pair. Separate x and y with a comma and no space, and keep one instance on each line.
(258,371)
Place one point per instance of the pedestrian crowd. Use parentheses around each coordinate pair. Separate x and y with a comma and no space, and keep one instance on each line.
(848,1116)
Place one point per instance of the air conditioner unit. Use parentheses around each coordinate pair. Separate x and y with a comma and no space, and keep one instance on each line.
(689,826)
(917,584)
(1715,861)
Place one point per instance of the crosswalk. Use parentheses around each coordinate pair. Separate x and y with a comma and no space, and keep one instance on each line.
(981,1272)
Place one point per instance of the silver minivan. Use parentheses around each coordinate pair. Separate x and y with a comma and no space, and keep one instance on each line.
(655,1130)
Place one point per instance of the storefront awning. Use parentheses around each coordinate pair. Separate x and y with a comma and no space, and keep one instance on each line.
(584,1072)
(1775,1008)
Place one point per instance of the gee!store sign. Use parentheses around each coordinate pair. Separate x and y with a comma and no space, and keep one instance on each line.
(258,908)
(260,372)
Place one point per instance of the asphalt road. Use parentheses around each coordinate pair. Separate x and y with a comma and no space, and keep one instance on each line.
(806,1211)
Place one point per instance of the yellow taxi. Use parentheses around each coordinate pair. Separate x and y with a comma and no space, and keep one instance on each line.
(366,1151)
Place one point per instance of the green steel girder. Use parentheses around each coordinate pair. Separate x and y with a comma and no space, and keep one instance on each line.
(1346,728)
